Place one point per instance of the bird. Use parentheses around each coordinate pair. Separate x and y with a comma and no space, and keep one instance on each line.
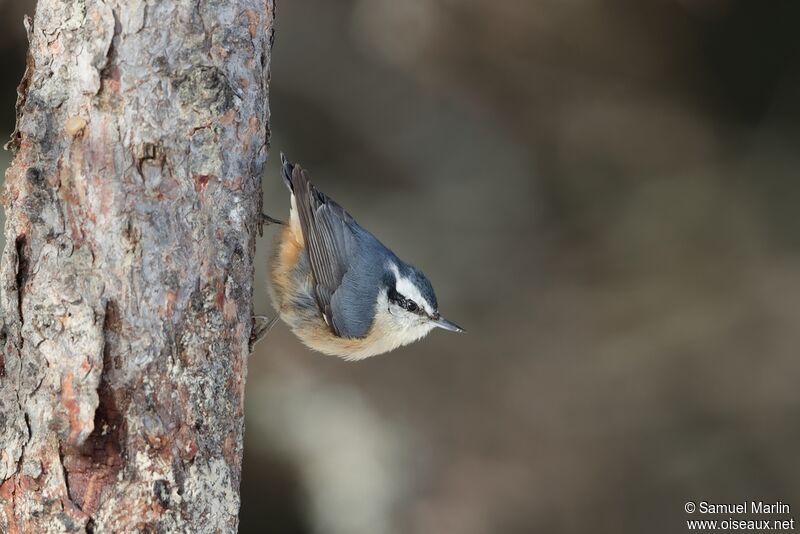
(339,289)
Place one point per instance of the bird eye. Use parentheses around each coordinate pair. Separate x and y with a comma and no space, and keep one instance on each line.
(405,303)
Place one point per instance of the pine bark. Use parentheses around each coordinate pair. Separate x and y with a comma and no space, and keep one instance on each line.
(126,283)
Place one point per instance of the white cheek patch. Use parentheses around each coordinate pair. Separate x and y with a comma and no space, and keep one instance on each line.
(394,327)
(405,287)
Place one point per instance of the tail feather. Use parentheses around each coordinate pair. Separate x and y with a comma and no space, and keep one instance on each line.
(287,172)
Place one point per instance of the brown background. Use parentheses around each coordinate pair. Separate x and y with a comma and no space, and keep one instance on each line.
(605,194)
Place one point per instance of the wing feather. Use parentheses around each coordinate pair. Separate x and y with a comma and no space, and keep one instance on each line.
(328,237)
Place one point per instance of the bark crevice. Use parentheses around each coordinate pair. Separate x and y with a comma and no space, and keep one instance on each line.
(21,275)
(22,88)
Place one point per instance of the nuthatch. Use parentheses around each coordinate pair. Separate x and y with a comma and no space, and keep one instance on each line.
(340,290)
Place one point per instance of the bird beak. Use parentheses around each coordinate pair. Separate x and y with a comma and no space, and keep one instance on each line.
(441,322)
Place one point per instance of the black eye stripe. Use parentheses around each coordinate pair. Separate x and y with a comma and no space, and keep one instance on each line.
(403,302)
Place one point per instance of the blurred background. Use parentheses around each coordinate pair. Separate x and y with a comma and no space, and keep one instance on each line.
(605,194)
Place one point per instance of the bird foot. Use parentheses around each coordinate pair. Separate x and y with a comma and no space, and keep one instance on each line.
(266,219)
(261,326)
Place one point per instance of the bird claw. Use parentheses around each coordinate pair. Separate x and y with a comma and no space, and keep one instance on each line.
(266,219)
(261,326)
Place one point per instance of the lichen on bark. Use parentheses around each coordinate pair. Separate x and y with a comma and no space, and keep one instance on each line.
(126,282)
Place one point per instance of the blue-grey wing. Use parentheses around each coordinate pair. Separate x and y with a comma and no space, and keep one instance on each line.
(330,242)
(353,304)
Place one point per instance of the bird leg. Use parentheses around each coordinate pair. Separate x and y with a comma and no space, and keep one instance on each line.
(261,325)
(266,219)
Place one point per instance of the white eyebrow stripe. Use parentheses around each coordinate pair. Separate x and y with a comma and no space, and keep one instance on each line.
(406,287)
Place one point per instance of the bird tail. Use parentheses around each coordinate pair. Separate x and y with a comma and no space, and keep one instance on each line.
(290,177)
(299,183)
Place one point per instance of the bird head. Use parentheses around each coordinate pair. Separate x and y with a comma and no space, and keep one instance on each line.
(407,303)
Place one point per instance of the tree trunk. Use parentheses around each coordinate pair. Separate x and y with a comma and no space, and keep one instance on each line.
(126,282)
